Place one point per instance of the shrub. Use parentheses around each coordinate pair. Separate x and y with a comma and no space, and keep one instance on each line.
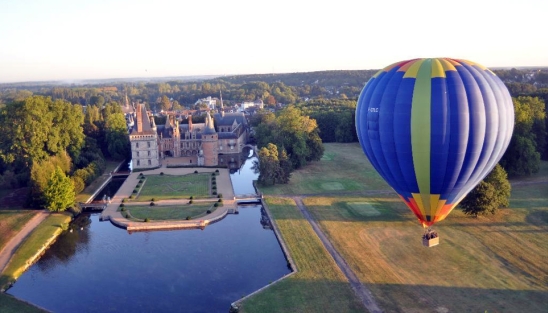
(212,174)
(131,197)
(216,171)
(195,172)
(214,193)
(123,200)
(220,200)
(123,209)
(220,196)
(188,218)
(138,186)
(190,202)
(208,211)
(216,204)
(134,190)
(122,205)
(147,220)
(191,197)
(152,199)
(161,173)
(152,203)
(141,181)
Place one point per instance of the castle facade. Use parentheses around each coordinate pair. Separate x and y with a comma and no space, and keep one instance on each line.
(198,144)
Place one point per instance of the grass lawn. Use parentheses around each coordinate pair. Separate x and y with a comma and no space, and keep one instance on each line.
(494,263)
(11,223)
(342,169)
(9,304)
(29,247)
(173,212)
(319,285)
(175,187)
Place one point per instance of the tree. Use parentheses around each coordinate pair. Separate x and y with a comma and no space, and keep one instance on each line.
(165,104)
(521,158)
(59,193)
(117,136)
(490,194)
(269,166)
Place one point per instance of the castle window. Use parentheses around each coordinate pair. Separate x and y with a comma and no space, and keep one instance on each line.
(148,144)
(149,153)
(136,145)
(138,162)
(149,162)
(137,153)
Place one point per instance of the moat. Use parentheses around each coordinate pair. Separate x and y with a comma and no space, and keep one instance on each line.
(101,268)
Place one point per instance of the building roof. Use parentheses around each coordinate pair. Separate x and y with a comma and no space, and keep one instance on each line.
(227,119)
(142,124)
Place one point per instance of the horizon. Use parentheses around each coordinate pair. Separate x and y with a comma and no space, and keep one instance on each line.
(65,40)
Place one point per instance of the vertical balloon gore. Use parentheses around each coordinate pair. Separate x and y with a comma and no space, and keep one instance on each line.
(433,129)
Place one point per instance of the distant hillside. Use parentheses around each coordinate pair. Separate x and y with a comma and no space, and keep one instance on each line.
(321,78)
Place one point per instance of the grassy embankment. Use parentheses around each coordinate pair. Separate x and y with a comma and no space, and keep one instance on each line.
(494,263)
(318,286)
(98,182)
(9,304)
(49,228)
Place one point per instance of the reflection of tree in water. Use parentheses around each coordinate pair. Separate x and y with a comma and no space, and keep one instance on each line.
(265,221)
(67,244)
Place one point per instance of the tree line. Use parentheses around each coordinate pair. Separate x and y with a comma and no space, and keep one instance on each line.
(55,149)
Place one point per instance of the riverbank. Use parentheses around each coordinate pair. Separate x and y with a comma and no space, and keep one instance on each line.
(33,246)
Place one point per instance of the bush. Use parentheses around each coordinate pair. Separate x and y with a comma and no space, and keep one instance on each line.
(216,171)
(138,186)
(141,181)
(188,218)
(141,175)
(214,193)
(216,204)
(195,172)
(220,200)
(208,211)
(131,197)
(161,173)
(152,199)
(220,196)
(212,174)
(122,205)
(191,197)
(190,202)
(123,200)
(134,190)
(147,220)
(123,209)
(152,204)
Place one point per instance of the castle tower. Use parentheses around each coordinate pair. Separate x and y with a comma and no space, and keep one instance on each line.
(176,140)
(144,141)
(210,143)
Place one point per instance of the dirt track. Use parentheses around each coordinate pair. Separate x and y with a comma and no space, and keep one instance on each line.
(11,246)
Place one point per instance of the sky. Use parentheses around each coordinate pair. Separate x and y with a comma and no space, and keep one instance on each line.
(94,39)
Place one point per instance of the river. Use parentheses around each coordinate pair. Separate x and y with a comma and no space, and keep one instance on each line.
(100,268)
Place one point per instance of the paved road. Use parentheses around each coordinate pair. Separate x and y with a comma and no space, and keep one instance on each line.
(361,291)
(11,246)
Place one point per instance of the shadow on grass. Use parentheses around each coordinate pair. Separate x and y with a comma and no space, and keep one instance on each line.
(422,298)
(322,295)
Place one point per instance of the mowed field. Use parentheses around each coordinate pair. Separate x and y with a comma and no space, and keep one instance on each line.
(494,263)
(175,187)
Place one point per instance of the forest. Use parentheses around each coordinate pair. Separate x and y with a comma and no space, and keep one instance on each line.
(54,130)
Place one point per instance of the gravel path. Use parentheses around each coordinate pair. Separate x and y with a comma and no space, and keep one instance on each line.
(361,291)
(11,246)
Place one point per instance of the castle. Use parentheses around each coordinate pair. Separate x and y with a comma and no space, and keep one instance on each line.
(189,144)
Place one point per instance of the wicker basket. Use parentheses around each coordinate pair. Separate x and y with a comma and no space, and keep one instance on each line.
(431,242)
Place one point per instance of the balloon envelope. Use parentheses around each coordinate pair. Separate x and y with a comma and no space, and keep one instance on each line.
(433,129)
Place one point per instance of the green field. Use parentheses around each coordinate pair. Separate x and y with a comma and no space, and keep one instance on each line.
(11,222)
(162,187)
(172,212)
(342,169)
(494,263)
(48,228)
(9,304)
(318,286)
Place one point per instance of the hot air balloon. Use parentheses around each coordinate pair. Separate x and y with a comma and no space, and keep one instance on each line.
(433,129)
